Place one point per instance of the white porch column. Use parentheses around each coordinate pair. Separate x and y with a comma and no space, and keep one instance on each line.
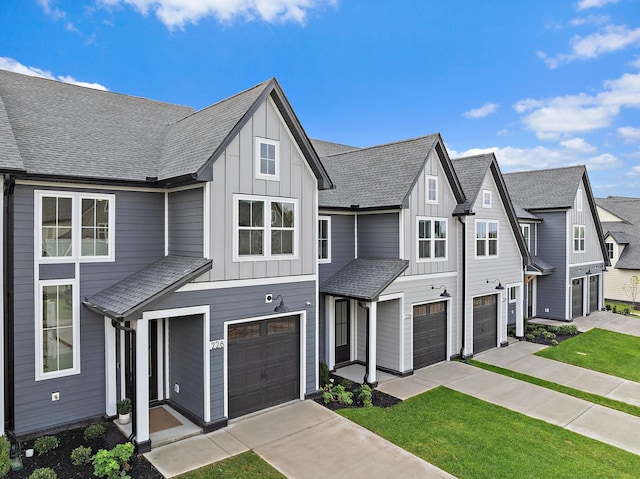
(142,383)
(110,370)
(330,327)
(371,360)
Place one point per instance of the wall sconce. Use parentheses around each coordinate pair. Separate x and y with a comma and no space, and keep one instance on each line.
(499,287)
(281,308)
(588,272)
(445,293)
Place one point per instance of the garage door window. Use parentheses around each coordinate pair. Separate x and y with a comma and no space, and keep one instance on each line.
(245,332)
(281,325)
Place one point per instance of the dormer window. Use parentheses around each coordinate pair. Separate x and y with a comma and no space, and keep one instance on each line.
(432,189)
(267,159)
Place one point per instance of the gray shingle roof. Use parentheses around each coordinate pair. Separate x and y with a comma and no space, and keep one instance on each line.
(376,177)
(627,233)
(364,279)
(544,189)
(542,266)
(9,153)
(328,148)
(164,276)
(471,172)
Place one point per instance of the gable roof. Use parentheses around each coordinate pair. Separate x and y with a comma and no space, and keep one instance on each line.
(103,136)
(627,232)
(383,176)
(328,148)
(545,189)
(9,153)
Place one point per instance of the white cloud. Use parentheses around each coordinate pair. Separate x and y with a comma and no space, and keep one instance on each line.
(585,4)
(610,39)
(578,145)
(12,65)
(590,20)
(580,113)
(635,171)
(629,133)
(177,13)
(485,110)
(50,10)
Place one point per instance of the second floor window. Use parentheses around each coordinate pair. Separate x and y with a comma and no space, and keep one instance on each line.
(578,239)
(610,252)
(432,189)
(267,161)
(432,239)
(486,238)
(486,198)
(526,233)
(324,239)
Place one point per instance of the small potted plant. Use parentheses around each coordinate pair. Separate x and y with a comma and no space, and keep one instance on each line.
(124,410)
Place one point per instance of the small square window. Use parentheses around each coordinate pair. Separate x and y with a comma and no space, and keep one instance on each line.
(486,199)
(267,159)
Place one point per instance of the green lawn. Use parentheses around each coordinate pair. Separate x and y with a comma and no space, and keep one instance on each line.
(474,439)
(247,465)
(605,351)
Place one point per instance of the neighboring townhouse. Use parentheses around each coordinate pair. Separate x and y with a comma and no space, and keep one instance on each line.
(620,217)
(559,221)
(154,252)
(403,258)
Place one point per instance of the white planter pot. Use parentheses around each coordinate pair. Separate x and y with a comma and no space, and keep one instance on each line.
(124,418)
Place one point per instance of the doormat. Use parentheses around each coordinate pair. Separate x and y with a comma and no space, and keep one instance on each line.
(160,419)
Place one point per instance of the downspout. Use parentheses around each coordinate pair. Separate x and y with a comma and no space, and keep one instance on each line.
(8,227)
(463,288)
(117,323)
(364,306)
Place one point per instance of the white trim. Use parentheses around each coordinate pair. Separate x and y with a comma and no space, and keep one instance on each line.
(160,327)
(401,216)
(355,236)
(372,360)
(206,220)
(486,240)
(328,258)
(142,379)
(527,239)
(330,313)
(425,277)
(76,186)
(317,337)
(568,293)
(206,353)
(241,283)
(428,178)
(110,370)
(519,287)
(432,250)
(486,195)
(269,142)
(75,291)
(593,263)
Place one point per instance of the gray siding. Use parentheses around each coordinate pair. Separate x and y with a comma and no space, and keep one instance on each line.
(186,222)
(232,304)
(378,236)
(388,334)
(592,249)
(186,366)
(552,247)
(139,240)
(57,271)
(342,245)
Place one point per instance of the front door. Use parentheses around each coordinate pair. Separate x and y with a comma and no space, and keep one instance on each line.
(343,349)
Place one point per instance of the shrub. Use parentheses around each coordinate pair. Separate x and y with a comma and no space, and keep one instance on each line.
(554,342)
(607,307)
(5,458)
(565,329)
(324,374)
(124,406)
(337,393)
(615,308)
(81,455)
(113,463)
(43,473)
(94,431)
(365,395)
(627,311)
(347,383)
(45,444)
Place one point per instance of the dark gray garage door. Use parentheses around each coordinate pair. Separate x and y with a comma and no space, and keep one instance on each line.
(264,364)
(429,334)
(485,323)
(576,298)
(594,287)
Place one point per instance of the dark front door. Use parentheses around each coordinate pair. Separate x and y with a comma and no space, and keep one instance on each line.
(263,364)
(530,299)
(576,298)
(485,323)
(429,334)
(343,348)
(594,289)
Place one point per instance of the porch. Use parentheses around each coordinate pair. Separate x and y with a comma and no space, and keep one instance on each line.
(166,425)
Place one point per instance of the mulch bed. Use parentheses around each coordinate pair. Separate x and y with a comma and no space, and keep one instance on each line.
(378,398)
(60,458)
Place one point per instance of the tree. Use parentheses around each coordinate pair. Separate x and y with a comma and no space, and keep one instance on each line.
(632,289)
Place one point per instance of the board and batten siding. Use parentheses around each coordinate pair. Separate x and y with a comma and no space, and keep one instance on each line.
(186,367)
(232,304)
(234,173)
(378,235)
(552,292)
(592,249)
(139,240)
(342,245)
(418,207)
(186,222)
(388,334)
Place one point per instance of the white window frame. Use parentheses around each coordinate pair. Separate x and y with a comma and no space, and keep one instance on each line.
(39,372)
(579,200)
(266,176)
(486,240)
(432,247)
(266,237)
(527,237)
(76,226)
(328,239)
(577,228)
(611,251)
(429,178)
(486,198)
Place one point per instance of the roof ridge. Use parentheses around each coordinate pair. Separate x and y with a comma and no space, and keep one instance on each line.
(384,145)
(583,167)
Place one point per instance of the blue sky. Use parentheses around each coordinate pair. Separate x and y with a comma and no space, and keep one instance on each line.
(541,83)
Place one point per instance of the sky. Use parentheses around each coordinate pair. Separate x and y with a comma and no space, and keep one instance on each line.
(542,84)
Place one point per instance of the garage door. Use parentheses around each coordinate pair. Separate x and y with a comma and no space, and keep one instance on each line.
(429,334)
(264,364)
(485,323)
(594,288)
(576,298)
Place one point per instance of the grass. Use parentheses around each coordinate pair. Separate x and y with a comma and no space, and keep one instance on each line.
(472,439)
(622,306)
(577,393)
(600,350)
(247,465)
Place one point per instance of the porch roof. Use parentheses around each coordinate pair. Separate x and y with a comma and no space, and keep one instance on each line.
(541,265)
(130,295)
(364,278)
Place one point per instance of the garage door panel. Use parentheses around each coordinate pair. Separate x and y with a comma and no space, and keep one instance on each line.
(576,298)
(485,323)
(429,334)
(594,289)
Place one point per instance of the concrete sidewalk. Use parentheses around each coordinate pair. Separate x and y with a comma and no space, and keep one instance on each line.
(301,440)
(605,425)
(617,323)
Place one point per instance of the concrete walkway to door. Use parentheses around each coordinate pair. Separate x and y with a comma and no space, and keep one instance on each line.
(301,440)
